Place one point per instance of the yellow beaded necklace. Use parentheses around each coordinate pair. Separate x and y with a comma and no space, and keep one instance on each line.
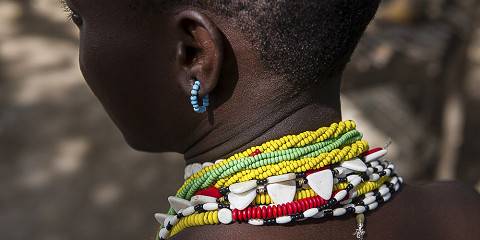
(286,180)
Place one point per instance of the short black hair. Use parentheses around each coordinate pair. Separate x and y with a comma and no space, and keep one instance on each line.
(308,41)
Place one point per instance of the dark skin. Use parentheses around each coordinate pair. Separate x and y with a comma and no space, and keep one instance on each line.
(416,212)
(141,66)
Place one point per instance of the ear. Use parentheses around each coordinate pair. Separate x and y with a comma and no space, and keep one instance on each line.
(199,51)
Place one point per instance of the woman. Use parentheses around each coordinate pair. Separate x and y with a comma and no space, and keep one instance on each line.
(213,78)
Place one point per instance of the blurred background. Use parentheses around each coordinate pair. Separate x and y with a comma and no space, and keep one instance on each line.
(66,173)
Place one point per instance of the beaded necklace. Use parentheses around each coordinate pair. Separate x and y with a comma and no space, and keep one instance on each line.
(325,173)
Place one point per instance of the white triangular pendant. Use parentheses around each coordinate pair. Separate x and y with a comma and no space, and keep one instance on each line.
(178,203)
(241,201)
(188,171)
(281,178)
(322,183)
(282,192)
(196,167)
(355,165)
(243,186)
(160,217)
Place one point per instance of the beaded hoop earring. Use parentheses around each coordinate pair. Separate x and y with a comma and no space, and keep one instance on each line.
(194,99)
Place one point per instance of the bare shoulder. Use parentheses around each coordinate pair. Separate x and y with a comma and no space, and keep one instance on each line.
(439,210)
(447,196)
(451,187)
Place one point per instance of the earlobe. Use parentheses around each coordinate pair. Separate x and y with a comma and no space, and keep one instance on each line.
(199,51)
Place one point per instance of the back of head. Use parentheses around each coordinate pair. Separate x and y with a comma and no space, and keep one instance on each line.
(252,57)
(307,41)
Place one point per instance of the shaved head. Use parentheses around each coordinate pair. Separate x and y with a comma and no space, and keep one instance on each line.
(259,61)
(307,41)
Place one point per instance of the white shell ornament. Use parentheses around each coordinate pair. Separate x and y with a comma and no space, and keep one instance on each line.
(196,167)
(177,203)
(241,201)
(282,192)
(322,183)
(281,178)
(160,217)
(355,165)
(206,164)
(243,186)
(188,172)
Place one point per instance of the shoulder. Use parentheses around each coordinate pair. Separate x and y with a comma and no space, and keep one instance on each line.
(446,195)
(455,187)
(438,210)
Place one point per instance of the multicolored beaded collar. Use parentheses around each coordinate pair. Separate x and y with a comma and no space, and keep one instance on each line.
(316,174)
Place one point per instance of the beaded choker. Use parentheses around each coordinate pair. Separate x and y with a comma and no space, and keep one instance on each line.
(325,173)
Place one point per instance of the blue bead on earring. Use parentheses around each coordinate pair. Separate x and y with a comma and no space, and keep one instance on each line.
(194,99)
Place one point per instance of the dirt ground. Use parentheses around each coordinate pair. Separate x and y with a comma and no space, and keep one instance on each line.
(66,173)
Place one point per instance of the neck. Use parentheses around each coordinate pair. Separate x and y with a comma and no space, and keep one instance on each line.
(218,141)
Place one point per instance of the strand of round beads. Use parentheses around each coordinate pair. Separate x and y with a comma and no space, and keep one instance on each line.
(274,211)
(200,219)
(194,99)
(213,213)
(366,205)
(321,136)
(378,196)
(301,171)
(303,174)
(291,208)
(193,168)
(295,166)
(269,173)
(334,156)
(295,153)
(262,160)
(355,150)
(264,198)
